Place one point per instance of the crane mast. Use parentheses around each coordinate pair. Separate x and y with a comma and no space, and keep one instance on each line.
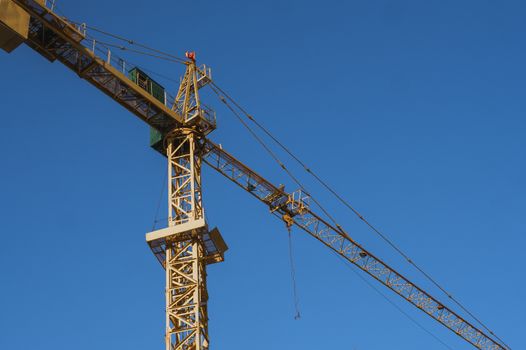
(187,245)
(186,292)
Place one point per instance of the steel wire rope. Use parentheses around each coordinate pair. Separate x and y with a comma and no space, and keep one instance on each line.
(58,10)
(132,42)
(345,261)
(281,164)
(360,216)
(384,296)
(134,64)
(297,316)
(396,306)
(124,48)
(175,59)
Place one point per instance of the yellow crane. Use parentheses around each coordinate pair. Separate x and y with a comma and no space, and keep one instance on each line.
(179,130)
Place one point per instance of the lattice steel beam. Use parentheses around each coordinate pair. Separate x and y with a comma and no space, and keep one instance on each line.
(184,173)
(295,211)
(57,39)
(186,296)
(185,261)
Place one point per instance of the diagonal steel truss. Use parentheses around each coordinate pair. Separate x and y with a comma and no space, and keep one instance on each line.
(185,255)
(184,250)
(293,209)
(184,174)
(186,296)
(57,39)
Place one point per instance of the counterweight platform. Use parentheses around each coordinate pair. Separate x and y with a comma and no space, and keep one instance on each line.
(213,243)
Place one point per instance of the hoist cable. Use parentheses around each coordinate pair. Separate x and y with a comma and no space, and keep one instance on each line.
(360,216)
(172,58)
(296,300)
(297,316)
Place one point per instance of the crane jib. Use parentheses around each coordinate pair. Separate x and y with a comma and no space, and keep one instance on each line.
(56,38)
(343,245)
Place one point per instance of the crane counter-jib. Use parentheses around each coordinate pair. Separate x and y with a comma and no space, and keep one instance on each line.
(57,39)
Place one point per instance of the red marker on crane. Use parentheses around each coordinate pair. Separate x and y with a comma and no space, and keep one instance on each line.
(190,55)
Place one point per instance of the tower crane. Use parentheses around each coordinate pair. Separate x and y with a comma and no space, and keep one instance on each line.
(179,131)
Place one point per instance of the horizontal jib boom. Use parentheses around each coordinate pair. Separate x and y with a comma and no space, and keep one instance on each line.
(343,245)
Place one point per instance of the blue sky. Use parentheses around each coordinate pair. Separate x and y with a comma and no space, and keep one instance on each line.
(413,110)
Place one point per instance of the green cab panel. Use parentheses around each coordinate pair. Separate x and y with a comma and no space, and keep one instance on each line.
(144,81)
(157,91)
(156,140)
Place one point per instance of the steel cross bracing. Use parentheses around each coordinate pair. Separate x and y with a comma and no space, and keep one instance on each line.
(57,39)
(183,256)
(294,209)
(186,246)
(184,174)
(186,296)
(185,261)
(187,102)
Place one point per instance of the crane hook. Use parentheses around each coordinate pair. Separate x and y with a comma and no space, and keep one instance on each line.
(289,221)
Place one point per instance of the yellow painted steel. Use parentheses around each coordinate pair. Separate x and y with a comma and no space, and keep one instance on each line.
(14,25)
(187,245)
